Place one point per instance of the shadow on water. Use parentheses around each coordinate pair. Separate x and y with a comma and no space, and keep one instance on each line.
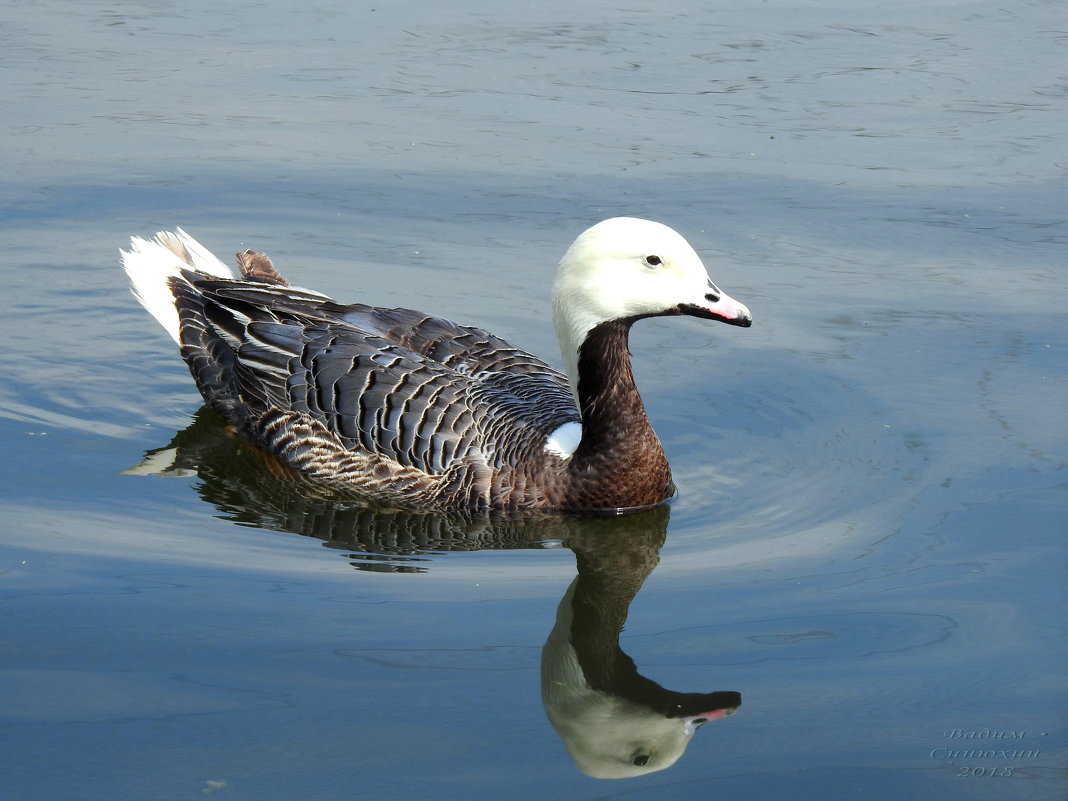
(614,722)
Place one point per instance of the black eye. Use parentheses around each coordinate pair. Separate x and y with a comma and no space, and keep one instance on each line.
(653,261)
(641,760)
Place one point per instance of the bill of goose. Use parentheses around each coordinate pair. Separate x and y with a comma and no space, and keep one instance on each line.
(409,410)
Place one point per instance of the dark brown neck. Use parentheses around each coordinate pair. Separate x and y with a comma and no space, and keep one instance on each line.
(619,462)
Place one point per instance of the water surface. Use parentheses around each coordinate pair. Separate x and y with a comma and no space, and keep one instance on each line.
(868,544)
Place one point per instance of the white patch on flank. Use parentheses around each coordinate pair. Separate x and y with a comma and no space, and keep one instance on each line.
(564,440)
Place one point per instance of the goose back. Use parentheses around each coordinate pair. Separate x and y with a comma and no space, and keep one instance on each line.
(411,396)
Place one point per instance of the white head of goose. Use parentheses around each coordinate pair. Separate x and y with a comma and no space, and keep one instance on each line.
(397,407)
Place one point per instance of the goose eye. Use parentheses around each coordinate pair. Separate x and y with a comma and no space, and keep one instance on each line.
(641,760)
(653,261)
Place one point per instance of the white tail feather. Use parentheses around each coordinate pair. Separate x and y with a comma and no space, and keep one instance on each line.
(150,264)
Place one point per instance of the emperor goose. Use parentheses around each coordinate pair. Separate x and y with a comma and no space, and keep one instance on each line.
(409,410)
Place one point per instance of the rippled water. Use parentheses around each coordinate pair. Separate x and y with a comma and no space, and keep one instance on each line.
(869,540)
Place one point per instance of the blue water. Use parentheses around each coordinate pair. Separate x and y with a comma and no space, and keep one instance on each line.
(869,540)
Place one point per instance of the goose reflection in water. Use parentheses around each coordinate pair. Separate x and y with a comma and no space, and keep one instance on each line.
(613,721)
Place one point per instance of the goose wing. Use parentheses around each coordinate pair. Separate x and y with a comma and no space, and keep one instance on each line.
(422,391)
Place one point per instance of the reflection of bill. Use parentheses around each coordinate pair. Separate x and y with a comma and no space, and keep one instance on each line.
(613,721)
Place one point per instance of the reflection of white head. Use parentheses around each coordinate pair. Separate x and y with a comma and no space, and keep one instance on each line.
(629,268)
(608,736)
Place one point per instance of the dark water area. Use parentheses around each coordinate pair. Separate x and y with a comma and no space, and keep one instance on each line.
(860,589)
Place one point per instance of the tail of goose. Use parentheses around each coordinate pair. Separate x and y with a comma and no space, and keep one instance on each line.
(152,263)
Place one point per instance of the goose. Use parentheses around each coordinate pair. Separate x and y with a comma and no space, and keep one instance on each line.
(407,410)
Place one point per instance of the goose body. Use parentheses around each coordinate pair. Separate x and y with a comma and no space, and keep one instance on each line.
(410,410)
